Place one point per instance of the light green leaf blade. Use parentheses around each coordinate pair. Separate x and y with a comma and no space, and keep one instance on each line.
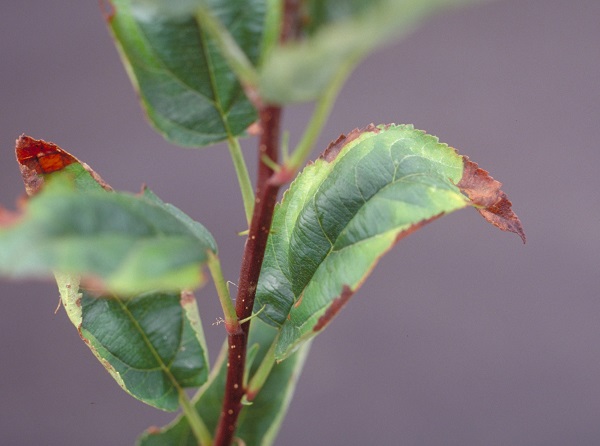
(152,345)
(259,422)
(349,208)
(127,244)
(339,35)
(188,91)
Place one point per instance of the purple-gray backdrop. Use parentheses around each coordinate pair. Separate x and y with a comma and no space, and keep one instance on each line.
(462,336)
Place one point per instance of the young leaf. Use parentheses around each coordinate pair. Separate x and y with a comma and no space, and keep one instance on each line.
(339,34)
(152,345)
(258,422)
(342,213)
(187,89)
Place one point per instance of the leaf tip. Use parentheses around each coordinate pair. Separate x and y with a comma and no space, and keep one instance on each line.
(493,204)
(37,157)
(41,156)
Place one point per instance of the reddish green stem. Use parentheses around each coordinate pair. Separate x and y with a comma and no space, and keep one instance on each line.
(254,250)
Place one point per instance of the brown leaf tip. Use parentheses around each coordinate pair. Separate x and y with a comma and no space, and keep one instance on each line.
(37,158)
(335,147)
(41,156)
(493,204)
(334,308)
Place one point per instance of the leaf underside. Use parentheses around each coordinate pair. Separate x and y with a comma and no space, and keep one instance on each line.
(342,213)
(188,91)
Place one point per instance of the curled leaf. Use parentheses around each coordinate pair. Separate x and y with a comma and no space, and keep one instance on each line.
(368,190)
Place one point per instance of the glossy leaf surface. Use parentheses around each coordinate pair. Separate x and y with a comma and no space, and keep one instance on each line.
(258,422)
(152,345)
(188,91)
(338,35)
(346,210)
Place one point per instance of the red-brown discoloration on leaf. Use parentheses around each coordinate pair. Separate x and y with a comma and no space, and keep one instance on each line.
(8,218)
(416,227)
(41,156)
(485,192)
(334,308)
(299,301)
(335,147)
(107,8)
(38,158)
(347,292)
(153,430)
(187,298)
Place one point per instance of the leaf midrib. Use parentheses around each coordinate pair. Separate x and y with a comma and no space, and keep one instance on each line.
(394,181)
(162,365)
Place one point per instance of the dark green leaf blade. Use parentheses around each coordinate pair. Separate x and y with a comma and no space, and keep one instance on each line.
(188,91)
(152,345)
(259,422)
(346,210)
(339,35)
(128,244)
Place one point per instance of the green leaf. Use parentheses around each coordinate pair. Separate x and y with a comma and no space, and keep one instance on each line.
(259,422)
(127,244)
(351,206)
(152,345)
(339,35)
(188,91)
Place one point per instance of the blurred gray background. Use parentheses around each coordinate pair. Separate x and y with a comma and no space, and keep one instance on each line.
(462,335)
